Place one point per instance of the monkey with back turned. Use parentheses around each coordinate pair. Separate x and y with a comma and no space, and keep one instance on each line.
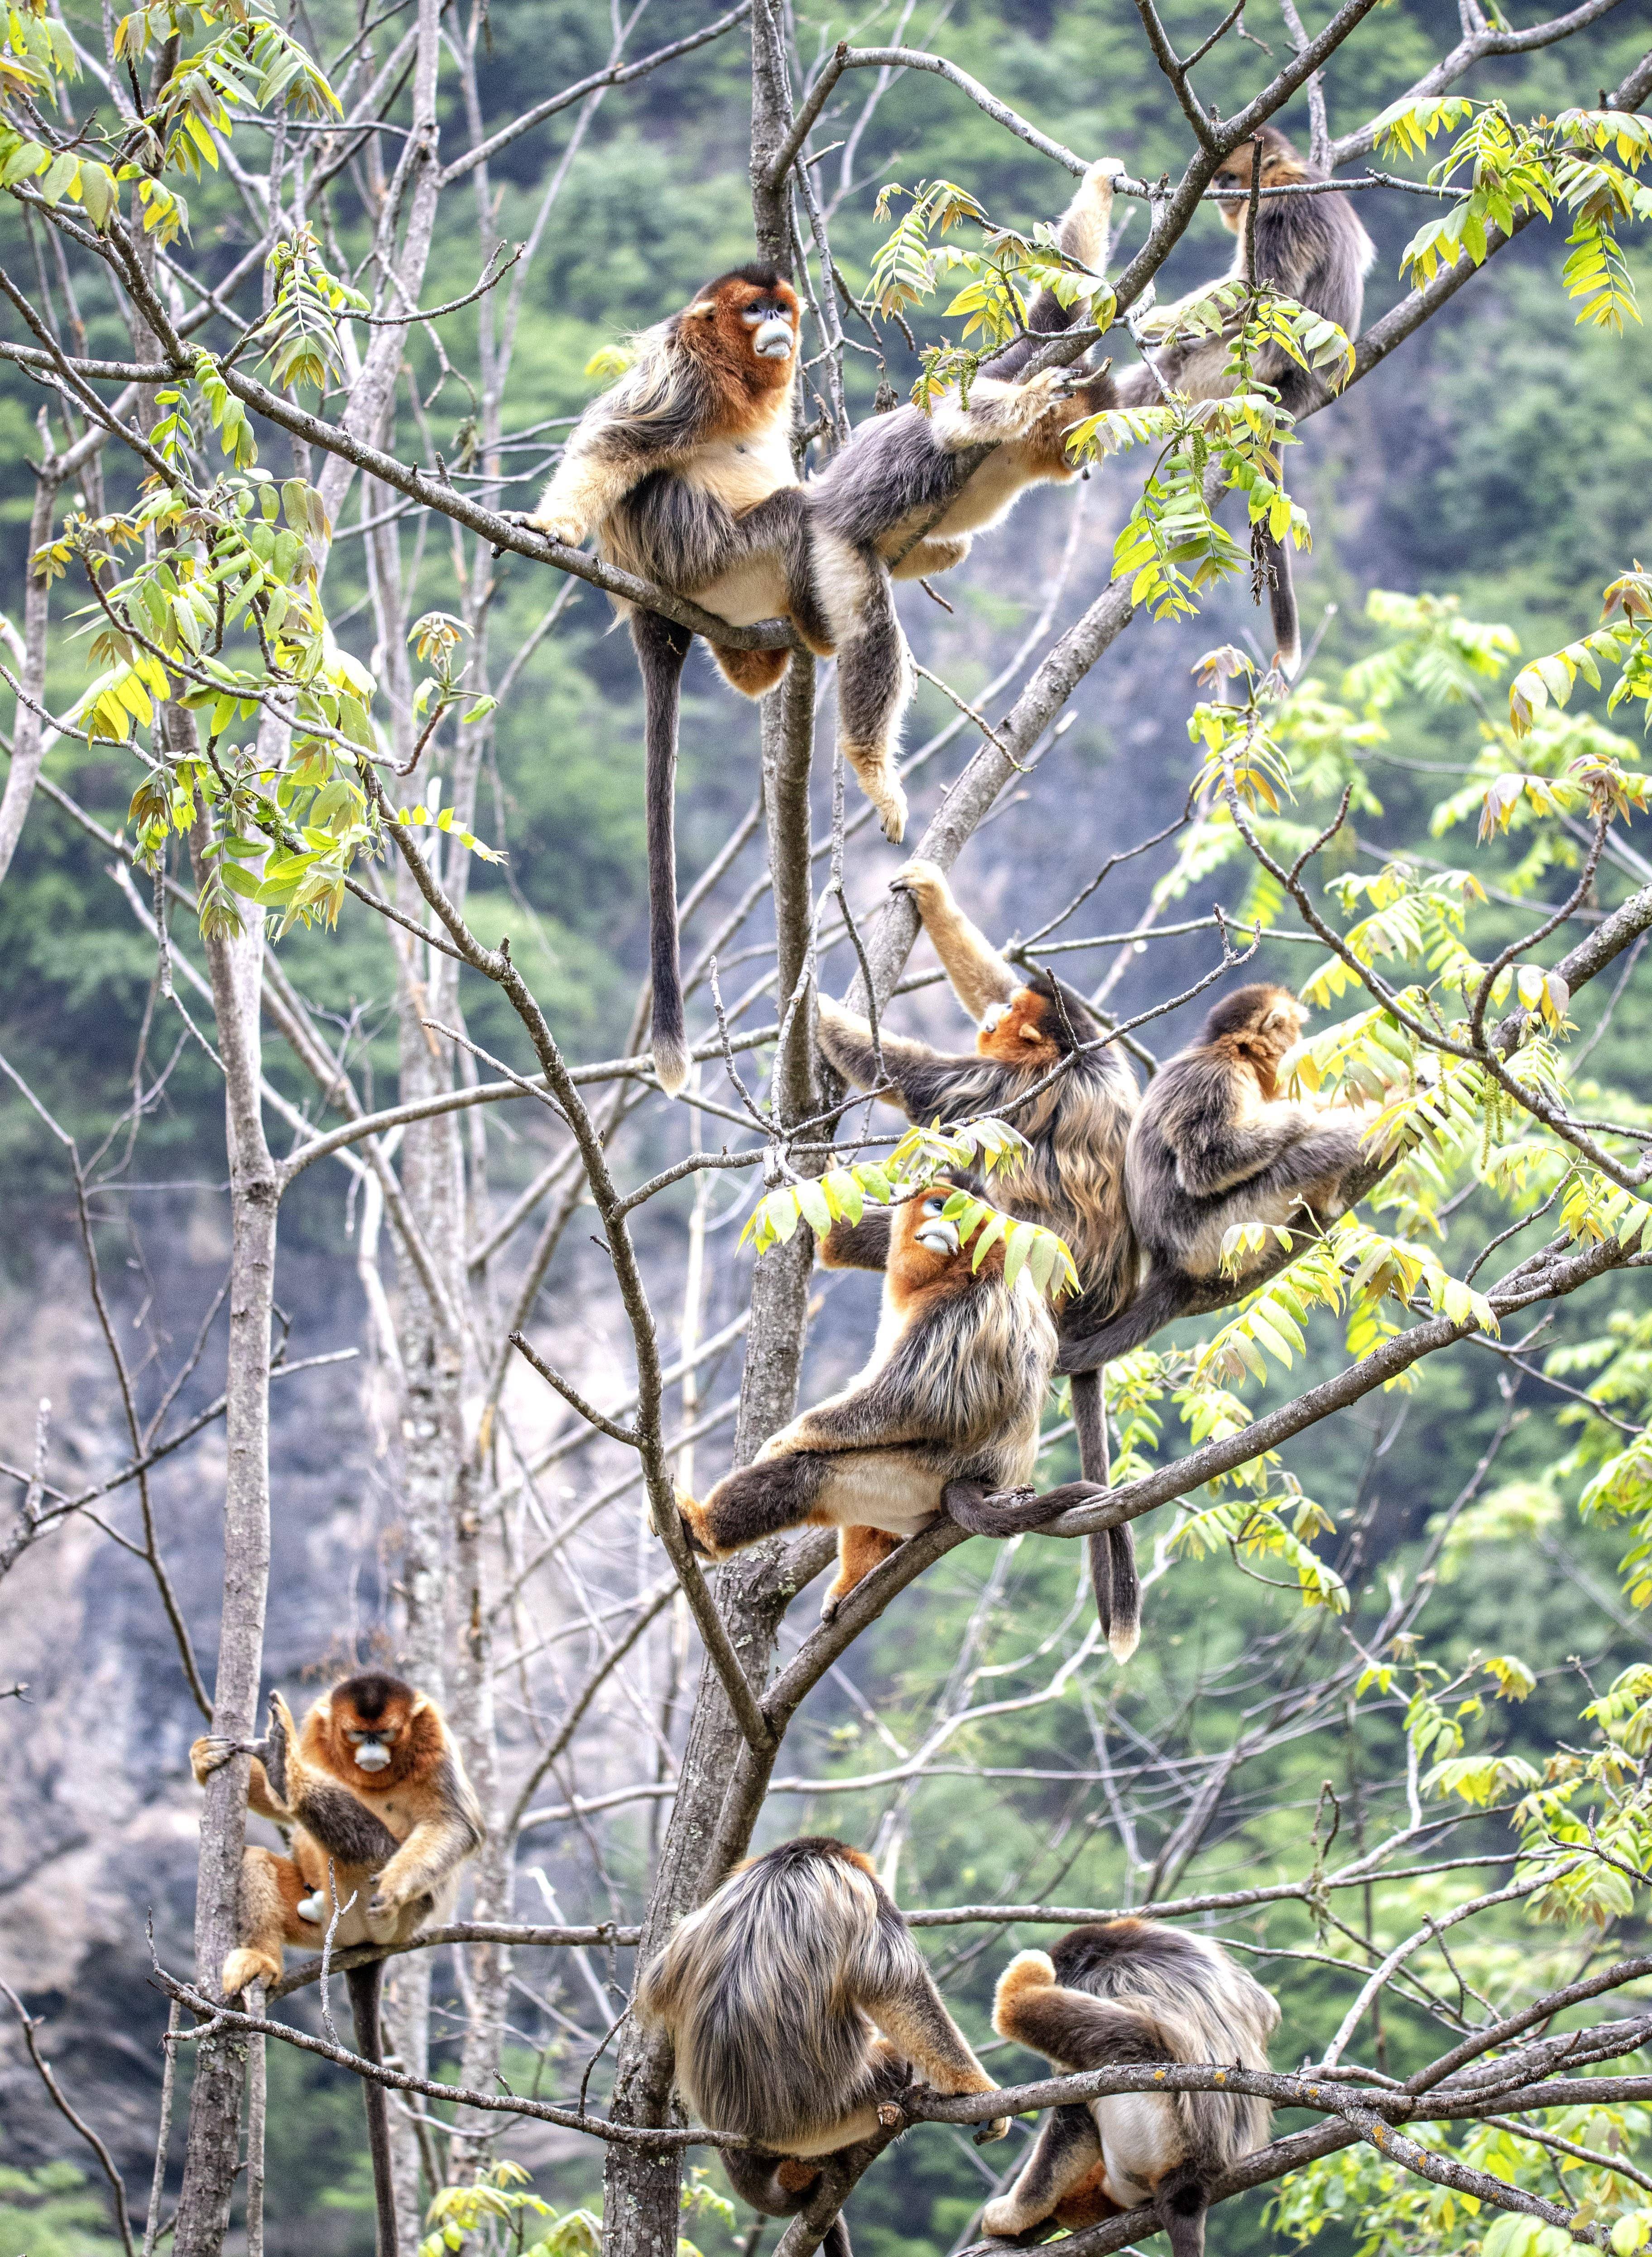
(943,1417)
(382,1817)
(1120,1991)
(1036,1035)
(798,2008)
(1214,1144)
(1311,248)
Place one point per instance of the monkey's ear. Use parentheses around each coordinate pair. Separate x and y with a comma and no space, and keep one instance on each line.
(703,310)
(1031,1034)
(421,1702)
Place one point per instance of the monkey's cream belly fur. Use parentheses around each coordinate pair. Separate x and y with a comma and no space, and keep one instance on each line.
(899,1490)
(1140,2142)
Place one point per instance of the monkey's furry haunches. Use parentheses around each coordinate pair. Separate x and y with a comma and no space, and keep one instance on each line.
(943,1417)
(1070,1179)
(1119,1992)
(381,1811)
(798,2006)
(1214,1144)
(684,472)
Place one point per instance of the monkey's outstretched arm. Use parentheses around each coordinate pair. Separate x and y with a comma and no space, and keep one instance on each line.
(437,1845)
(846,1039)
(595,474)
(912,2015)
(980,976)
(209,1752)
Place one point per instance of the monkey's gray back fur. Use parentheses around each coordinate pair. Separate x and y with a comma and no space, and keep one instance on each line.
(758,1990)
(1203,2008)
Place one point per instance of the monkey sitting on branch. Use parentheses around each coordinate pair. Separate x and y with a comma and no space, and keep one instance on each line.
(1042,1063)
(1216,1144)
(684,472)
(382,1817)
(1121,1992)
(800,2008)
(1311,248)
(944,1417)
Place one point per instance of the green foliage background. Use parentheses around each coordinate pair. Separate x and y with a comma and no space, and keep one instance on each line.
(1506,457)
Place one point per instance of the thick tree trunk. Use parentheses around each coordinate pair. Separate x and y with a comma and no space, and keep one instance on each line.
(215,2101)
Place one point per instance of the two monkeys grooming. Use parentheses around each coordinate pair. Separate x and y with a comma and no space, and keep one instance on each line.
(684,473)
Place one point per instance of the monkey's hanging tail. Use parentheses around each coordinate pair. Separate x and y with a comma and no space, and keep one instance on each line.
(1157,1303)
(364,1984)
(1288,633)
(662,647)
(1112,1551)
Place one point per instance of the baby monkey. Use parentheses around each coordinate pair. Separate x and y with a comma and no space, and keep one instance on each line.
(1214,1144)
(382,1817)
(1126,1991)
(800,2011)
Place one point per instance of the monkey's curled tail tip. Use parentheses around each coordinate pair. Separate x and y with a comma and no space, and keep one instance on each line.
(672,1061)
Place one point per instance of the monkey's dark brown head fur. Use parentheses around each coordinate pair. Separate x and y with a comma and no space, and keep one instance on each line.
(1039,1025)
(1255,1026)
(743,329)
(377,1729)
(1281,166)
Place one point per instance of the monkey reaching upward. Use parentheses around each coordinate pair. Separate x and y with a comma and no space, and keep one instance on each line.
(684,472)
(1125,1991)
(910,488)
(1214,1144)
(1036,1035)
(799,2009)
(382,1817)
(1310,248)
(944,1417)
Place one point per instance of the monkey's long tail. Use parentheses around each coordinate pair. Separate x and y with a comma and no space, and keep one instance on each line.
(662,647)
(1111,1550)
(364,1984)
(1288,633)
(1157,1303)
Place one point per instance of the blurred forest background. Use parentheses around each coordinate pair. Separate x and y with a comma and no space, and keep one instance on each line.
(1502,462)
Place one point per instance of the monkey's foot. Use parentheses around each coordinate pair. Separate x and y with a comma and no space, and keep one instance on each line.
(567,530)
(875,772)
(245,1965)
(692,1520)
(1001,2219)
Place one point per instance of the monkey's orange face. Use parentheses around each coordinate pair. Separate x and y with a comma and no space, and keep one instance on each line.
(1235,170)
(374,1746)
(1017,1033)
(750,331)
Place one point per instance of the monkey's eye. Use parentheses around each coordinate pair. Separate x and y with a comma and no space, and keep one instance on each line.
(934,1205)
